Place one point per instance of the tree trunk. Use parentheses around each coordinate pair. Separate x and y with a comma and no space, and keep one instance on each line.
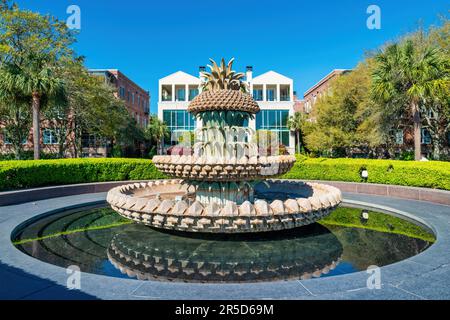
(36,125)
(161,145)
(299,147)
(75,141)
(17,151)
(61,150)
(417,132)
(18,146)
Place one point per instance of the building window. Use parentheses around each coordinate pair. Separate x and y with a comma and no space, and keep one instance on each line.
(122,92)
(132,98)
(128,96)
(258,94)
(178,122)
(49,136)
(285,93)
(399,136)
(92,141)
(7,139)
(166,93)
(193,92)
(274,120)
(180,94)
(426,136)
(270,94)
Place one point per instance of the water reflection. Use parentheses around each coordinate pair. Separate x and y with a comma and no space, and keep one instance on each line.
(162,256)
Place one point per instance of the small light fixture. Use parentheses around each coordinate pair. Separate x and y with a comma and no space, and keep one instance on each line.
(364,217)
(365,174)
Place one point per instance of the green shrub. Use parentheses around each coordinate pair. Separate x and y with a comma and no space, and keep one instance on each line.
(30,174)
(431,174)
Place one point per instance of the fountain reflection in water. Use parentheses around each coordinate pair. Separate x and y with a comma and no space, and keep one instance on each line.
(286,255)
(98,242)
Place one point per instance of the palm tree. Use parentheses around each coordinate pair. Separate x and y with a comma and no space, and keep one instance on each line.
(223,77)
(157,130)
(295,123)
(405,75)
(37,80)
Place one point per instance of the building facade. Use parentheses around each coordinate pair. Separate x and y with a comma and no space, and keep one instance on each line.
(136,99)
(319,89)
(273,92)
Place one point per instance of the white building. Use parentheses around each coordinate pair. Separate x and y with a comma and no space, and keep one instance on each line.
(273,92)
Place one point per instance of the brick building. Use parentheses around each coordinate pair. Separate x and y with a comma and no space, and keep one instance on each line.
(137,100)
(320,88)
(299,104)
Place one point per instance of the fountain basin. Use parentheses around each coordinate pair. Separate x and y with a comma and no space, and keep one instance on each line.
(168,204)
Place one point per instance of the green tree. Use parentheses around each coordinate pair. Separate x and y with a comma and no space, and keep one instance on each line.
(106,115)
(16,124)
(406,76)
(345,117)
(157,131)
(31,47)
(296,124)
(437,112)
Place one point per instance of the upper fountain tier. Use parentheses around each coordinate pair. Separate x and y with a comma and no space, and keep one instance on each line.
(223,100)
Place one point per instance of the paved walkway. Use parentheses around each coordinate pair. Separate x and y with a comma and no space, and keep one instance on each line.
(426,276)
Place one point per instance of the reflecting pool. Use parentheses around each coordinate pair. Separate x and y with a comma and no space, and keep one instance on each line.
(99,241)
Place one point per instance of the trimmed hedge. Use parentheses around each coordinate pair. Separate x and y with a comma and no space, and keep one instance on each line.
(431,174)
(30,174)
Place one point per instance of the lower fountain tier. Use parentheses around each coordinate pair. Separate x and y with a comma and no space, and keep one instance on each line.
(278,205)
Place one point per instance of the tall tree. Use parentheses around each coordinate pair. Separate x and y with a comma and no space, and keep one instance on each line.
(31,48)
(406,74)
(14,114)
(157,131)
(106,116)
(296,123)
(437,108)
(15,121)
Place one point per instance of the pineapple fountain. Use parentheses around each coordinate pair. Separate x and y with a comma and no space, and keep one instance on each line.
(223,186)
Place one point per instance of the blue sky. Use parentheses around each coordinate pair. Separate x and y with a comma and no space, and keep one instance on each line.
(304,40)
